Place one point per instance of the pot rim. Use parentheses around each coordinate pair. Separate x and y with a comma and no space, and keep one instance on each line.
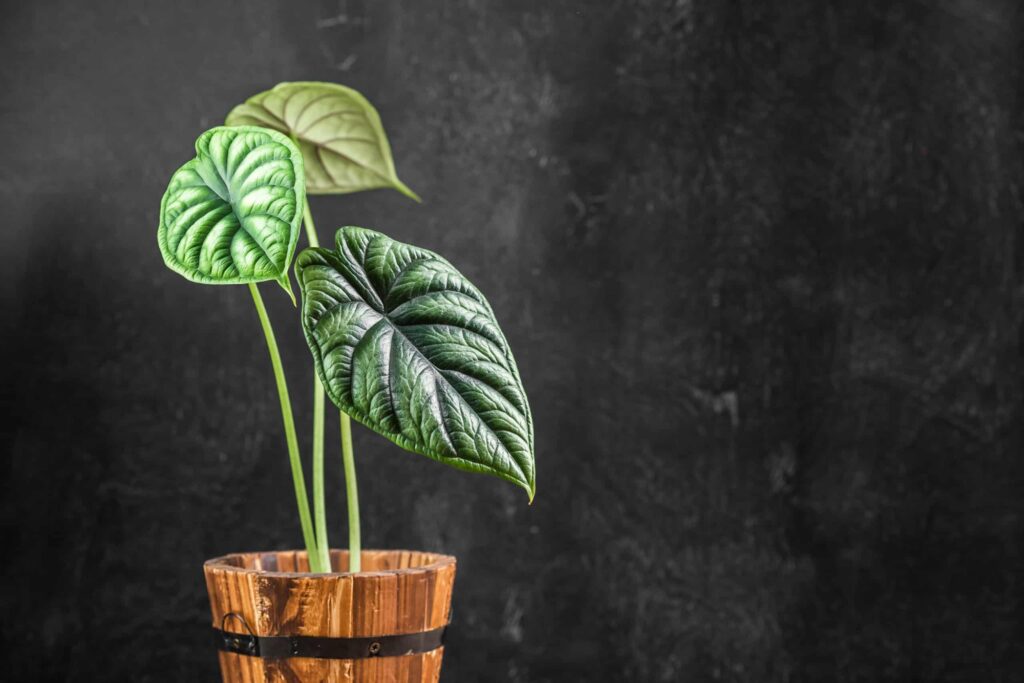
(220,564)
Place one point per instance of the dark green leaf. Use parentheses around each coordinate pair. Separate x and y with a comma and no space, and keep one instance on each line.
(337,129)
(232,214)
(406,345)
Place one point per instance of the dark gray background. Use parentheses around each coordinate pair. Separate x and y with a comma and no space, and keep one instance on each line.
(760,264)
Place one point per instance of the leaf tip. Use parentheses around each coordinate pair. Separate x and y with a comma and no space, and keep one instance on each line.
(531,490)
(407,191)
(286,284)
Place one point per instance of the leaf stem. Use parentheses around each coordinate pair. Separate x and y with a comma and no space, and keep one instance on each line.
(351,494)
(289,431)
(307,219)
(351,490)
(319,506)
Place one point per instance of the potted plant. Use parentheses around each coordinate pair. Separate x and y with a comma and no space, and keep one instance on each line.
(401,342)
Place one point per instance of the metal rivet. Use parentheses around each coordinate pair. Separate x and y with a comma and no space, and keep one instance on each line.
(374,648)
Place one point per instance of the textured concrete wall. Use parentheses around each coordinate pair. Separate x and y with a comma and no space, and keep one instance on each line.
(760,264)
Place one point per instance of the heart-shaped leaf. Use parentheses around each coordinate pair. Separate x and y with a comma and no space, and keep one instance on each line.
(232,214)
(406,345)
(337,129)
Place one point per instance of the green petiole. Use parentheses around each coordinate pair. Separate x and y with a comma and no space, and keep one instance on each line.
(352,494)
(289,431)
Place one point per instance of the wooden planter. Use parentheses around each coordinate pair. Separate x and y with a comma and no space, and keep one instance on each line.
(274,623)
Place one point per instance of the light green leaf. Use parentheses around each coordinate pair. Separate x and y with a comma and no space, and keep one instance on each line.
(338,130)
(232,214)
(405,344)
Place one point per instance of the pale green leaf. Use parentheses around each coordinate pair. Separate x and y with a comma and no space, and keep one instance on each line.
(338,130)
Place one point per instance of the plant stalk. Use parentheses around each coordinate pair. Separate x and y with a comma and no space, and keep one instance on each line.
(351,490)
(289,431)
(319,506)
(351,495)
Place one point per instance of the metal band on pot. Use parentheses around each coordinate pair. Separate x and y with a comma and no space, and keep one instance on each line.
(317,647)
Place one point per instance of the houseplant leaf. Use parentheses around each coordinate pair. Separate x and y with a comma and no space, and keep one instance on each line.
(232,214)
(406,345)
(338,130)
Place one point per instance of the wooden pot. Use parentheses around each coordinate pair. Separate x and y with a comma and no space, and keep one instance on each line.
(274,622)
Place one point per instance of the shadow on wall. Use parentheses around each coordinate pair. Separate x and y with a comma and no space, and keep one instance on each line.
(56,509)
(76,538)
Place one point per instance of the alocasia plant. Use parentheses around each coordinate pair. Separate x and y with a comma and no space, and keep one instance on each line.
(345,150)
(400,339)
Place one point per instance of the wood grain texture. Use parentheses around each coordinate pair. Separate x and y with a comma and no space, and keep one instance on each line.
(398,592)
